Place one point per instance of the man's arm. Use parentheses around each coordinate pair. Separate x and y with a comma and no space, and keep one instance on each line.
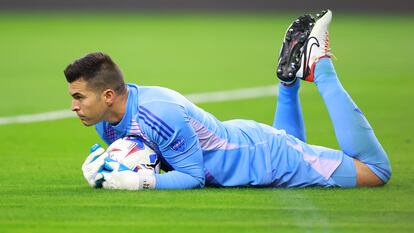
(168,125)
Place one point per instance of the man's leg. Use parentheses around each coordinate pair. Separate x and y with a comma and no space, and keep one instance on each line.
(288,115)
(354,134)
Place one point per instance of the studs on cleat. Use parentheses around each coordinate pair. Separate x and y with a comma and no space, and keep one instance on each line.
(319,15)
(292,49)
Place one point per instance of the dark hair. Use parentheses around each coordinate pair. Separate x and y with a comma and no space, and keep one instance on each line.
(98,70)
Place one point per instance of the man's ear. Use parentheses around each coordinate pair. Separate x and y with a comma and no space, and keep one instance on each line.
(109,96)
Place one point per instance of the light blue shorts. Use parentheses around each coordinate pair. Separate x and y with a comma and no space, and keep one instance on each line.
(298,164)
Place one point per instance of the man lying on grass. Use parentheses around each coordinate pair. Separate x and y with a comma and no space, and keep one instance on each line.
(197,150)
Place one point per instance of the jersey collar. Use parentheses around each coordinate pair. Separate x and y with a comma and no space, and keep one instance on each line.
(122,126)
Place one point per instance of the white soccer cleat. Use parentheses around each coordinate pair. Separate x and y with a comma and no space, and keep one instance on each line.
(316,47)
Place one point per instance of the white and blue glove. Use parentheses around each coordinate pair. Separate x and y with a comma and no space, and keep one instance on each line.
(93,164)
(117,176)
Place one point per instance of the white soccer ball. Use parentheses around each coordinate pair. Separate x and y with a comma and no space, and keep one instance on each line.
(133,153)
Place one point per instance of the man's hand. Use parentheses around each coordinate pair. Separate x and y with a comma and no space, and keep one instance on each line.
(94,164)
(118,176)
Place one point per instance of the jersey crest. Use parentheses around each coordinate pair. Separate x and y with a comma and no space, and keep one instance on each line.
(178,145)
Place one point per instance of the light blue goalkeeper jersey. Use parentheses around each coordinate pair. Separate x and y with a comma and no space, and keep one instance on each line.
(201,150)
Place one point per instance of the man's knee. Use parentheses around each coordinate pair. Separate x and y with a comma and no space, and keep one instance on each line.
(365,176)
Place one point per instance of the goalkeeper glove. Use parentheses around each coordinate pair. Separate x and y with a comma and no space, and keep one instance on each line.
(94,164)
(117,176)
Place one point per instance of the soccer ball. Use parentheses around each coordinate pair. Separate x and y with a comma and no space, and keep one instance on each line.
(134,153)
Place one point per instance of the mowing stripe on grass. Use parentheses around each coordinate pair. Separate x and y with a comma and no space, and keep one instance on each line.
(305,214)
(217,96)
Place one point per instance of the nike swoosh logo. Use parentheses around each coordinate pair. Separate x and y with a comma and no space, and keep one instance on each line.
(311,42)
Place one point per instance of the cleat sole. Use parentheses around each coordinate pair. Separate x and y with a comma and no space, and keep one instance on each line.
(292,48)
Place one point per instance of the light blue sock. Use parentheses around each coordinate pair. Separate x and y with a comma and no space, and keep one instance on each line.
(353,132)
(345,175)
(288,115)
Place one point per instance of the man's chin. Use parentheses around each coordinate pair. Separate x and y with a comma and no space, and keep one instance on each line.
(87,123)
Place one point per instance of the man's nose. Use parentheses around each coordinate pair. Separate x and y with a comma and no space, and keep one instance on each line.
(75,106)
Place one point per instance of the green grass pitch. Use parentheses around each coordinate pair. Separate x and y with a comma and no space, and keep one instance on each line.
(41,184)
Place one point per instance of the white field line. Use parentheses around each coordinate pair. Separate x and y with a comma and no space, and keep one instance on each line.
(218,96)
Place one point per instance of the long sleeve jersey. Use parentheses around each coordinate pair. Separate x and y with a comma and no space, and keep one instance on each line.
(197,147)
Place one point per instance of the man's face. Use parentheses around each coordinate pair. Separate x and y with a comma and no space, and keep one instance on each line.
(86,103)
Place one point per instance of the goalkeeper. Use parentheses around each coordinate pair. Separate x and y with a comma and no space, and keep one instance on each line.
(197,150)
